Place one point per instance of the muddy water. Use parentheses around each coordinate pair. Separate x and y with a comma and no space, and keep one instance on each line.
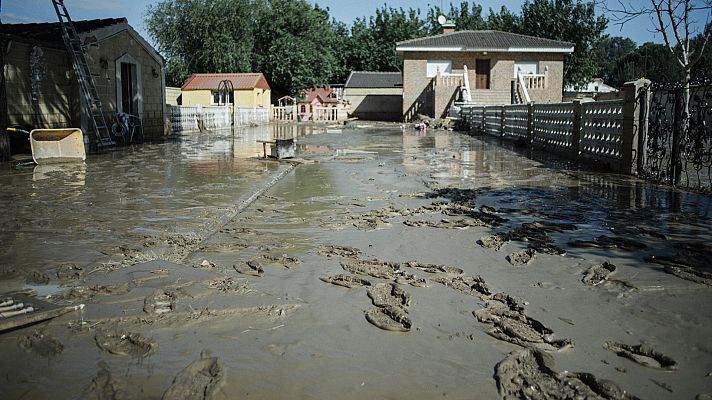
(157,263)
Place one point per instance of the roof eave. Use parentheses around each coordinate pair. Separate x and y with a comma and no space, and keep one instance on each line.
(493,49)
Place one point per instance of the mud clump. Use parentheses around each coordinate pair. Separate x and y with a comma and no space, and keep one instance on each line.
(201,380)
(388,294)
(391,303)
(251,267)
(282,259)
(608,242)
(509,323)
(389,318)
(374,268)
(469,285)
(642,354)
(434,268)
(125,343)
(104,386)
(228,284)
(339,251)
(40,343)
(160,302)
(69,272)
(494,242)
(89,292)
(598,274)
(529,374)
(522,257)
(347,281)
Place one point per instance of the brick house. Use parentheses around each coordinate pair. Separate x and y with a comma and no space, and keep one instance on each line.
(502,68)
(375,96)
(43,91)
(250,90)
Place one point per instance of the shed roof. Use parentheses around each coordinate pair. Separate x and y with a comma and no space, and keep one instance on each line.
(249,80)
(373,79)
(52,31)
(485,41)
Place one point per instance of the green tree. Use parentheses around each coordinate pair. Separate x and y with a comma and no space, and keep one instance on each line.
(608,51)
(295,46)
(504,20)
(464,16)
(651,61)
(568,20)
(203,35)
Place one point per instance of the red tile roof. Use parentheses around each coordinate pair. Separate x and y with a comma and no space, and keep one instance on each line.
(249,80)
(321,93)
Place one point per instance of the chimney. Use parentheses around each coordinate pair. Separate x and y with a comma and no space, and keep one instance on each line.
(448,27)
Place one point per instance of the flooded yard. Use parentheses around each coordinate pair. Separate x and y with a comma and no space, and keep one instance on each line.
(388,264)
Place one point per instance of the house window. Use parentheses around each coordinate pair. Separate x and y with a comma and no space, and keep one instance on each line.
(223,97)
(526,68)
(482,74)
(441,66)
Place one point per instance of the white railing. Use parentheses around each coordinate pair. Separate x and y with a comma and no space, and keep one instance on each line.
(184,118)
(449,80)
(216,117)
(522,85)
(245,116)
(534,81)
(284,113)
(325,114)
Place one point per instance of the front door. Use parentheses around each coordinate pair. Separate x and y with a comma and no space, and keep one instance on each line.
(128,89)
(482,74)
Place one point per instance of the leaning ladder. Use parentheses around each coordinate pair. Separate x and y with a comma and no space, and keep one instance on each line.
(92,102)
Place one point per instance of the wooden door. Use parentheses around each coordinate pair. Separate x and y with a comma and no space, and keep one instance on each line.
(482,74)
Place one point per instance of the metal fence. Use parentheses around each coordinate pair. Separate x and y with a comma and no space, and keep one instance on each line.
(677,146)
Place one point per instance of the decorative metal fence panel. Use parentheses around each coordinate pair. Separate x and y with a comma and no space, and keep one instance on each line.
(553,125)
(601,128)
(678,144)
(493,120)
(516,121)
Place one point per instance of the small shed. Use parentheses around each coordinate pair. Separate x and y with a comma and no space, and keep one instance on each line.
(43,90)
(250,90)
(375,96)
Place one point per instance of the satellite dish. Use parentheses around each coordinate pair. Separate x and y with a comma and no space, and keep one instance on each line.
(442,20)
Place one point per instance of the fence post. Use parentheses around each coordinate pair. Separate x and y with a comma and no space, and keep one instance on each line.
(644,101)
(630,132)
(502,120)
(576,130)
(484,119)
(530,123)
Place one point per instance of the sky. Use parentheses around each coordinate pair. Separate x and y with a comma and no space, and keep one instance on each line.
(17,11)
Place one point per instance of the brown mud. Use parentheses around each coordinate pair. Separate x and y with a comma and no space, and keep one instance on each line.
(161,226)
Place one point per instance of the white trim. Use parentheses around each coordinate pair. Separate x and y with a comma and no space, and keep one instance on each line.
(494,50)
(126,58)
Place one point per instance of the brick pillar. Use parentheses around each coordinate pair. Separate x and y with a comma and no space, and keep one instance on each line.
(631,120)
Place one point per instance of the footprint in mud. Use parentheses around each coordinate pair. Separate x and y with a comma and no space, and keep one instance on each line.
(340,251)
(104,386)
(607,242)
(348,281)
(389,318)
(530,374)
(388,294)
(251,267)
(40,343)
(512,325)
(160,302)
(229,284)
(522,257)
(201,380)
(642,354)
(119,343)
(598,273)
